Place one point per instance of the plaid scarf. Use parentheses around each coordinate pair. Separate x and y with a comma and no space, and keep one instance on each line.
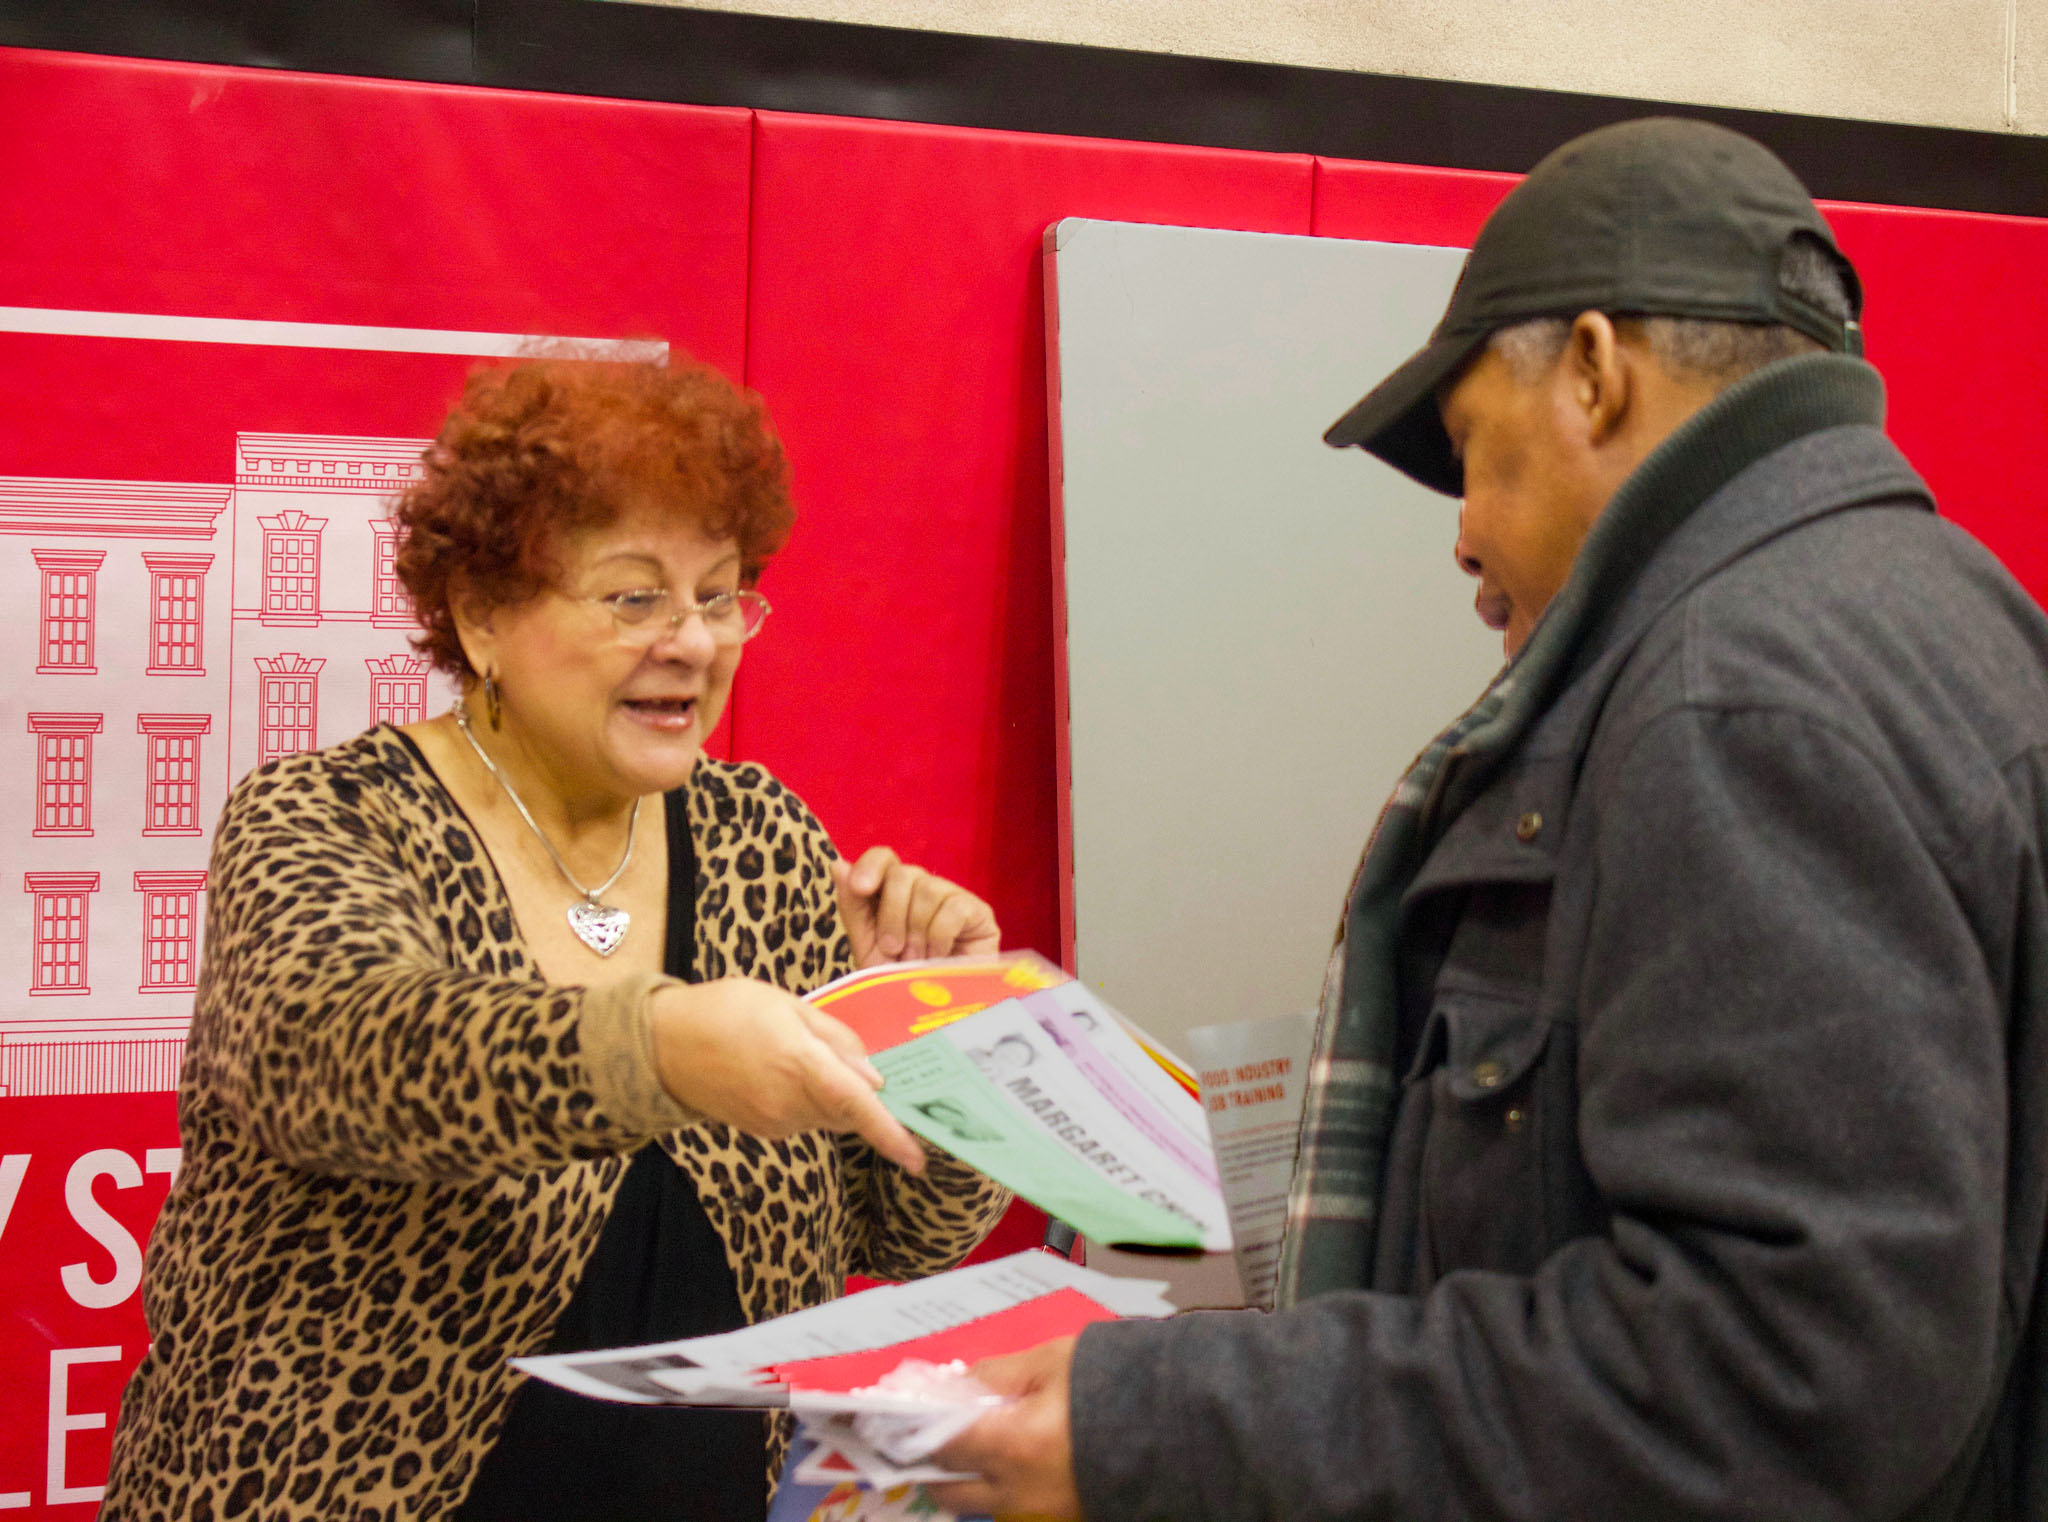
(1346,1120)
(1348,1112)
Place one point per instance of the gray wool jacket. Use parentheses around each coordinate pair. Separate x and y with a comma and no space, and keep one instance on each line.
(1719,1172)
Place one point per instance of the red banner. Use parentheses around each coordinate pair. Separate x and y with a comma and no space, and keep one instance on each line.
(81,1180)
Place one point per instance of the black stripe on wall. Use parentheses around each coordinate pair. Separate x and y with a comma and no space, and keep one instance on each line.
(652,52)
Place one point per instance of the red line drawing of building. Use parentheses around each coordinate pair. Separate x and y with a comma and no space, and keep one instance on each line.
(65,623)
(289,706)
(171,806)
(170,930)
(118,577)
(291,570)
(398,689)
(62,917)
(314,591)
(286,647)
(63,803)
(177,613)
(390,608)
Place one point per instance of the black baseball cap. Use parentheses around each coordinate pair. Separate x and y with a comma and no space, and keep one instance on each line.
(1660,217)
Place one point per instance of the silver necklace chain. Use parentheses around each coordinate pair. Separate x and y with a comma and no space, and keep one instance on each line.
(590,895)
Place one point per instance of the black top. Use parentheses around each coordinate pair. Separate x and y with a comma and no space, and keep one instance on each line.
(658,1272)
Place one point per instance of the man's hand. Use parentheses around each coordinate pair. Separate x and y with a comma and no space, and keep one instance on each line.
(894,912)
(1023,1451)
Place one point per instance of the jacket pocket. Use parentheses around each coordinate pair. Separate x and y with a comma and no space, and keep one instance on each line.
(1482,1195)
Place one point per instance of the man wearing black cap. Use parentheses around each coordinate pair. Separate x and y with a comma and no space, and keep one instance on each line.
(1677,1139)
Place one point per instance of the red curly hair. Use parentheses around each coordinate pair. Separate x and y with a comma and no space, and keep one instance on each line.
(549,447)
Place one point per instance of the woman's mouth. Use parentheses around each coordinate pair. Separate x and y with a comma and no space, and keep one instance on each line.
(668,715)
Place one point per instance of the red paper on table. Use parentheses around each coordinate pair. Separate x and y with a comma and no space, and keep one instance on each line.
(1059,1314)
(887,1006)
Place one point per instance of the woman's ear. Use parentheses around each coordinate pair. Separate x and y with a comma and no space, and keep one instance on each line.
(475,628)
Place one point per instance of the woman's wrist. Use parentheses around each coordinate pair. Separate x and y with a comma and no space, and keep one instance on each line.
(672,1012)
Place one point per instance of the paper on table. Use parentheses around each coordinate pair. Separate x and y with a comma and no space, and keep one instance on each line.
(650,1374)
(1254,1074)
(935,1090)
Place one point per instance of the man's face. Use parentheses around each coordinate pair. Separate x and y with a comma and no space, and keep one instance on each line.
(1530,495)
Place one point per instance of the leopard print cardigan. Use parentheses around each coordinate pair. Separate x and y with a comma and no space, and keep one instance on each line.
(399,1144)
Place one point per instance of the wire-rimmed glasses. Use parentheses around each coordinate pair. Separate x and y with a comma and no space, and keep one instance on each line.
(645,614)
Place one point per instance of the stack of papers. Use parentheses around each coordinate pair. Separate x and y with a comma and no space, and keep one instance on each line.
(821,1361)
(1023,1074)
(915,1410)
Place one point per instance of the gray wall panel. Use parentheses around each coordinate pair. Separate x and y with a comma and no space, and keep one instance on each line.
(1261,631)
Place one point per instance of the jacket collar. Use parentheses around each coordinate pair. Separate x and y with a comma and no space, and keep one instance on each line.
(1794,442)
(1706,458)
(1791,443)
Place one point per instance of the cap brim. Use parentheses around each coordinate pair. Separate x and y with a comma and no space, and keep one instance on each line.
(1398,419)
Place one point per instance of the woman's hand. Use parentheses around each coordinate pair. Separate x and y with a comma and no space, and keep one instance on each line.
(894,912)
(765,1062)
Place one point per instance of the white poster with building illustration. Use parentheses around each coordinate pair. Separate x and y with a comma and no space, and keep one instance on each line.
(178,634)
(165,638)
(236,304)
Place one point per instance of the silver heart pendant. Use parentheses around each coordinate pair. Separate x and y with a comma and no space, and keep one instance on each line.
(599,926)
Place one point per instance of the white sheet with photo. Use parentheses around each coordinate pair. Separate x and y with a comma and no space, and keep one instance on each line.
(719,1369)
(1038,1074)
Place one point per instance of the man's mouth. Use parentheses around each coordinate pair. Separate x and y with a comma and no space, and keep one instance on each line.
(1493,610)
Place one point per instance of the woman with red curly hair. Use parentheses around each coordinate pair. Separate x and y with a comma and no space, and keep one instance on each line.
(498,1047)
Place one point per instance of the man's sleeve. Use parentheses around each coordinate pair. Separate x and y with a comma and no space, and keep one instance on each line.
(1793,1103)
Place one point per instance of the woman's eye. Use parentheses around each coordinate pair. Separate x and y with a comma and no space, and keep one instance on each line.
(636,604)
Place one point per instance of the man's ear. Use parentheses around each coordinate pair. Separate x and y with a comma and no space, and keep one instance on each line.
(1597,368)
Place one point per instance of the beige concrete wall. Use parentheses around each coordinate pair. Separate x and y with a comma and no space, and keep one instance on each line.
(1950,63)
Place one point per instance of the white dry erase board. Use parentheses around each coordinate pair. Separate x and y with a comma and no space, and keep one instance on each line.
(1259,632)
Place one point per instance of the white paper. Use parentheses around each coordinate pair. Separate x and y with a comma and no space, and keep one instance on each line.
(1109,1035)
(1254,1075)
(1101,1118)
(720,1369)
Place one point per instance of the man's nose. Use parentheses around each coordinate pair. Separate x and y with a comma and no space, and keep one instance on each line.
(1467,561)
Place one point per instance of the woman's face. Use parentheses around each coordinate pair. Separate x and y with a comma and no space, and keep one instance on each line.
(595,714)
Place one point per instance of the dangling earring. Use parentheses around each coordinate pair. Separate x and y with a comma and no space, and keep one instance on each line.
(492,710)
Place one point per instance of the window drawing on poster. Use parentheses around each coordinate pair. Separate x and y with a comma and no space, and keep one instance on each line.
(176,635)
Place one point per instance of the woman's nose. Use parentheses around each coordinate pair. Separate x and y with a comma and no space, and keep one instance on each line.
(687,638)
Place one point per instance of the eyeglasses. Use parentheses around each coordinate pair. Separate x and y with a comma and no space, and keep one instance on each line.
(647,613)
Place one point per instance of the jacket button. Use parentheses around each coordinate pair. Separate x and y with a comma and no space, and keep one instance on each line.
(1528,827)
(1488,1074)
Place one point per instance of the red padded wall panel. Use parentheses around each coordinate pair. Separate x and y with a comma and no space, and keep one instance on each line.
(221,193)
(1956,309)
(905,688)
(149,187)
(308,195)
(1404,203)
(1953,299)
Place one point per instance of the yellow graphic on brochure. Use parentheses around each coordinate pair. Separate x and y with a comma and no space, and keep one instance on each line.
(890,1005)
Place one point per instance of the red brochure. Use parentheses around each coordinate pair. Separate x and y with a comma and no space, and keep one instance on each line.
(1022,1326)
(889,1005)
